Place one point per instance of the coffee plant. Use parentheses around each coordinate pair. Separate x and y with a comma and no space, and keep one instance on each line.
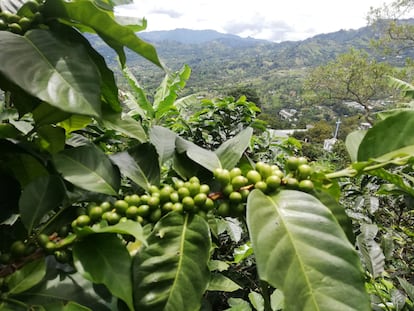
(104,208)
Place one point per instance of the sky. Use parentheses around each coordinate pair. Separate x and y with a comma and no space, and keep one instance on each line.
(277,20)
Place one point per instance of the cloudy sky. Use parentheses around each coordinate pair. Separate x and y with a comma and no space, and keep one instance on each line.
(277,20)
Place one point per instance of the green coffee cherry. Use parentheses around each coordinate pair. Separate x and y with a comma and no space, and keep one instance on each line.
(253,176)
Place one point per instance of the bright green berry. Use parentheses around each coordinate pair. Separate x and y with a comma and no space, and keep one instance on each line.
(292,163)
(204,188)
(224,209)
(95,213)
(238,182)
(155,215)
(200,199)
(235,197)
(83,220)
(306,185)
(273,182)
(236,171)
(133,199)
(261,185)
(222,176)
(121,206)
(132,212)
(18,248)
(253,176)
(304,171)
(144,210)
(188,204)
(153,202)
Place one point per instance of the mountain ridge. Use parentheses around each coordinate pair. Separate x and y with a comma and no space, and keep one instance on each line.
(221,61)
(192,36)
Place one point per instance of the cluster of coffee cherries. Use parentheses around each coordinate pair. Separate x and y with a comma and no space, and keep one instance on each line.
(236,186)
(226,197)
(183,196)
(31,16)
(25,250)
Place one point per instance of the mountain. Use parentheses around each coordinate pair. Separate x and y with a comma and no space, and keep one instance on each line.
(189,36)
(222,61)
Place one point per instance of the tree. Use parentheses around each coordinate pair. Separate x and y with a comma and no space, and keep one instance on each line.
(396,32)
(351,77)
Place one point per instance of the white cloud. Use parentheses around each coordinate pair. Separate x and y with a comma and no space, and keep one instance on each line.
(264,19)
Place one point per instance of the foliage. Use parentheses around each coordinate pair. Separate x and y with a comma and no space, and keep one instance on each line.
(211,122)
(351,77)
(395,31)
(108,209)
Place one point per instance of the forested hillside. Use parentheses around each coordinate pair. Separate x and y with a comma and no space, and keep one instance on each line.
(220,62)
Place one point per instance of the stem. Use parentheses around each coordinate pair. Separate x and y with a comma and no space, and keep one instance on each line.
(66,241)
(347,172)
(17,302)
(51,219)
(264,288)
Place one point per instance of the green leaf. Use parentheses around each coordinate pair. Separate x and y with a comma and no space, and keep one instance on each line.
(203,157)
(301,250)
(139,94)
(219,282)
(398,129)
(74,123)
(238,304)
(242,252)
(28,276)
(172,272)
(8,130)
(88,168)
(257,301)
(58,287)
(404,87)
(11,6)
(146,158)
(87,13)
(232,150)
(277,300)
(372,256)
(339,212)
(395,179)
(163,140)
(131,169)
(12,306)
(47,114)
(24,167)
(408,288)
(51,138)
(109,89)
(127,227)
(70,306)
(40,197)
(104,259)
(352,142)
(125,125)
(53,70)
(167,93)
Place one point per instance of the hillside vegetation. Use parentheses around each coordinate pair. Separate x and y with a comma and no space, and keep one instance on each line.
(220,62)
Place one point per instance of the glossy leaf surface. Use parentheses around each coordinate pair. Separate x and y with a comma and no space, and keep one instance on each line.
(88,168)
(399,129)
(104,259)
(172,272)
(52,70)
(301,250)
(40,197)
